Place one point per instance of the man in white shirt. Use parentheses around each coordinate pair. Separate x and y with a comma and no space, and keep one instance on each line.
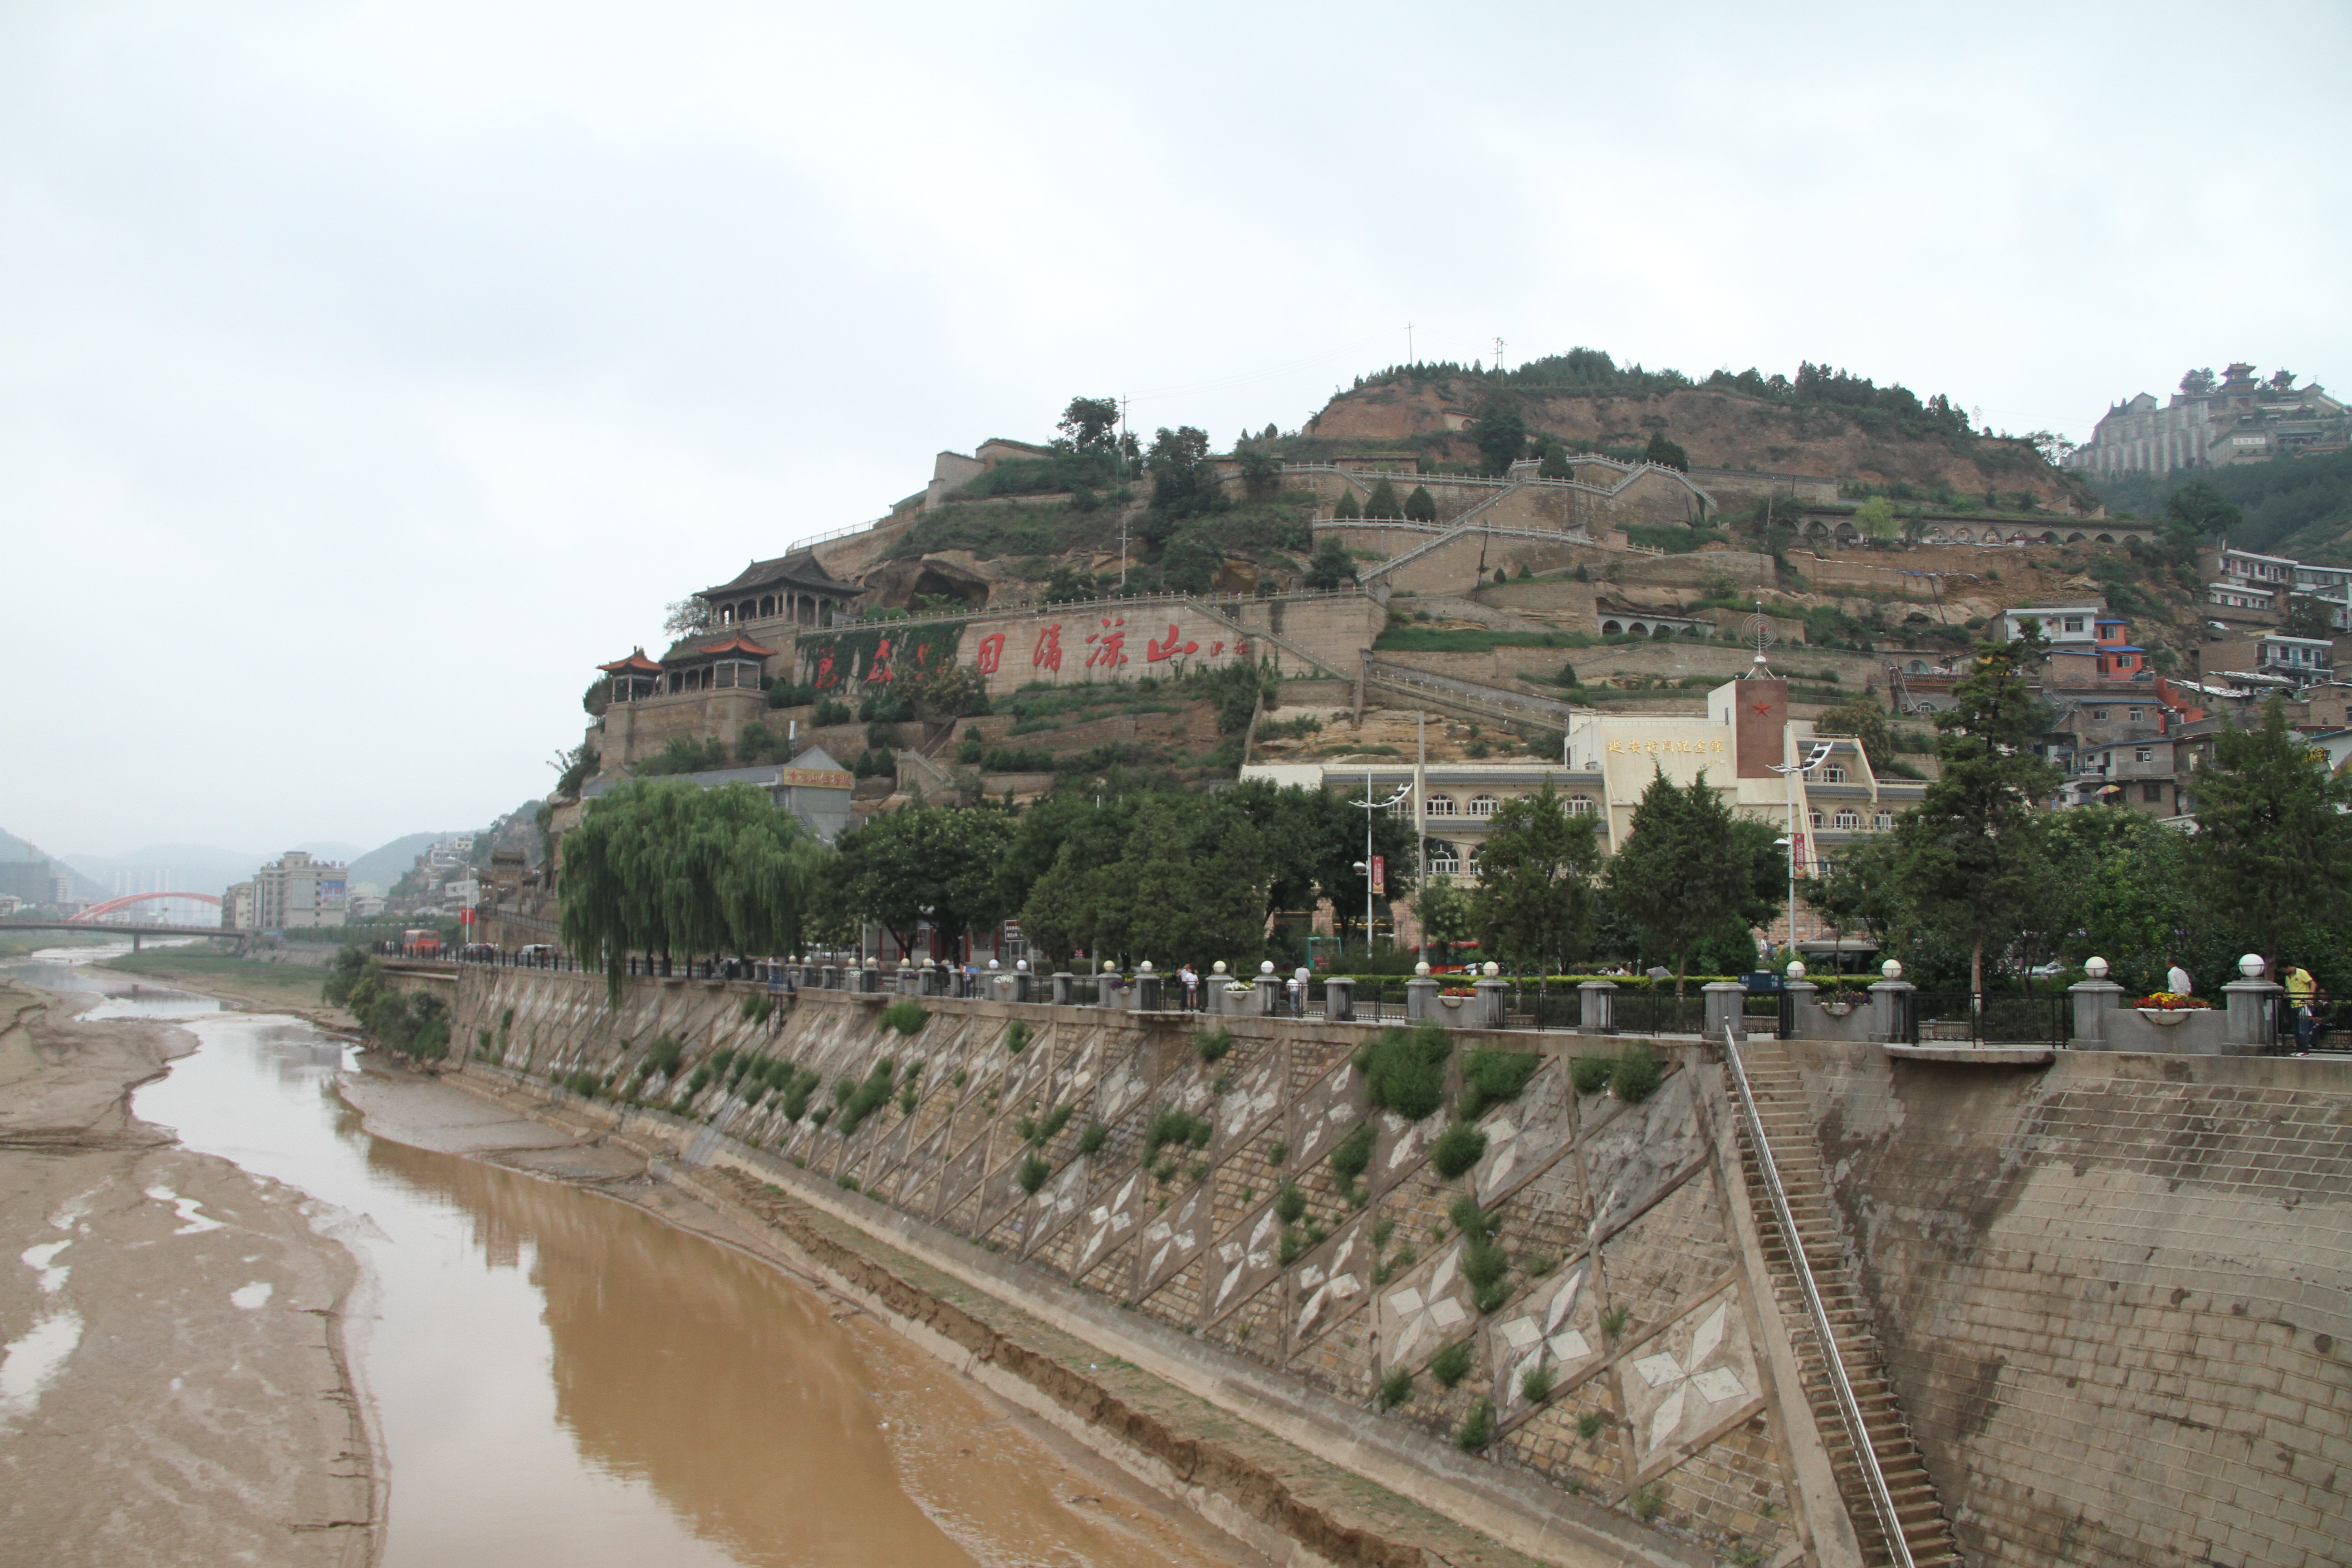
(2176,980)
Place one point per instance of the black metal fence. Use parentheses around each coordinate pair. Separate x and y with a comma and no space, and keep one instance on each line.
(2328,1027)
(1925,1017)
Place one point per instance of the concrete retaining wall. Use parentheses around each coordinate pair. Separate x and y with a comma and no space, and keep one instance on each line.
(1610,1214)
(2115,1295)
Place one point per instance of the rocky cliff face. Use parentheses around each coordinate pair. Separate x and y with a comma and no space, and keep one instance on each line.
(1719,429)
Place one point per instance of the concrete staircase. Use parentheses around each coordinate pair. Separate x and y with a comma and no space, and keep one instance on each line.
(1782,1106)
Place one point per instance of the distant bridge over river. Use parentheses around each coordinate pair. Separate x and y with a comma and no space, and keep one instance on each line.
(99,917)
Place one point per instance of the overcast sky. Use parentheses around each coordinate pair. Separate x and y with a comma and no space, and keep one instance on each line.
(370,373)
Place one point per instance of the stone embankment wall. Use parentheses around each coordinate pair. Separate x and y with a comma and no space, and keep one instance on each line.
(2115,1296)
(1628,1291)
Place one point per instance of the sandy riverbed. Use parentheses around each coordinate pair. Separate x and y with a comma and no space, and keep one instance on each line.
(174,1387)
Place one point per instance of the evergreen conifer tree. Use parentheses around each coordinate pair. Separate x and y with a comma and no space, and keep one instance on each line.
(1383,501)
(1970,855)
(1421,505)
(1681,868)
(2272,843)
(1347,505)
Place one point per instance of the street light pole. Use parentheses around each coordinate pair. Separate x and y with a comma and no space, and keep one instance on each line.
(1789,772)
(1365,864)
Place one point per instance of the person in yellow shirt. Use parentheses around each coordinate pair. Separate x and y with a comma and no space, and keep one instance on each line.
(2303,996)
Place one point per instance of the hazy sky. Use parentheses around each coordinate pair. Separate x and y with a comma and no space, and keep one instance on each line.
(370,373)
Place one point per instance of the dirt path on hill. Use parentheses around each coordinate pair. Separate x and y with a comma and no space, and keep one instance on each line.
(174,1386)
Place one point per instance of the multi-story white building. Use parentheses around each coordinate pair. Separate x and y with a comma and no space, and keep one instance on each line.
(2209,423)
(2062,625)
(1741,743)
(236,907)
(295,891)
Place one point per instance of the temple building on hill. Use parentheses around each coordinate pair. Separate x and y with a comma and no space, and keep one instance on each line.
(2208,422)
(794,590)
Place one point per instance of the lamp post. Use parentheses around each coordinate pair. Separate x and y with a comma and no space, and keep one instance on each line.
(1789,772)
(1365,864)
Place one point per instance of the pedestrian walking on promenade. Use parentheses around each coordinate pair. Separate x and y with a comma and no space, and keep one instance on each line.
(1191,980)
(2177,981)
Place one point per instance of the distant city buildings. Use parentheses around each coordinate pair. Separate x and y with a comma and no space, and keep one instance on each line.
(2210,421)
(295,891)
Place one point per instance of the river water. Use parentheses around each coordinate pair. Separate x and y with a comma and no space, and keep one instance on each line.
(558,1378)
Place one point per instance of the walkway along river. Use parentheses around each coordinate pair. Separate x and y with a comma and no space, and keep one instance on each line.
(555,1377)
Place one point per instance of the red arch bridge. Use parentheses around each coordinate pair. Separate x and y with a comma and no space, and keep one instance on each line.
(104,918)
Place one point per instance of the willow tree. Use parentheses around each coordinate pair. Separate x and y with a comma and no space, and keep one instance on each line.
(663,866)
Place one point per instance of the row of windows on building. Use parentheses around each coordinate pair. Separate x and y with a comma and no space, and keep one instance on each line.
(1488,805)
(1574,804)
(1447,859)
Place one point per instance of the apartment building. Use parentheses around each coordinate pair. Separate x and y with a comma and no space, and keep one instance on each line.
(295,891)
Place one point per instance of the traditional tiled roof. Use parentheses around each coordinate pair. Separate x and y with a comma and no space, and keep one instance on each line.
(635,663)
(801,569)
(709,645)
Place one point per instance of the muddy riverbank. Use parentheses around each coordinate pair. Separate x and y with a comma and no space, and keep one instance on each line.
(174,1384)
(549,1376)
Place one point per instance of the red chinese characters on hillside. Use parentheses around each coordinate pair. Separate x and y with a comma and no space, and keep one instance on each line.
(991,653)
(1156,651)
(1047,654)
(880,668)
(1110,645)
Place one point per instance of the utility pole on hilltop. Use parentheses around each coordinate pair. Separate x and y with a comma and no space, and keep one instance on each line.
(1124,438)
(1498,356)
(1408,345)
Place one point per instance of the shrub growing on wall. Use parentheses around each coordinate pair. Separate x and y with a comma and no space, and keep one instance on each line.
(1404,1070)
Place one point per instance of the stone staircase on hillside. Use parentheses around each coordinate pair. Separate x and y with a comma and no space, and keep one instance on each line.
(1475,699)
(1786,1117)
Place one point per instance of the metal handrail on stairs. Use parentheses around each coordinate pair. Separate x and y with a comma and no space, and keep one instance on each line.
(1849,1407)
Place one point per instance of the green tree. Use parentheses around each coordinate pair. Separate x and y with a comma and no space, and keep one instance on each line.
(1876,519)
(1665,453)
(1858,890)
(1501,432)
(1261,469)
(1444,910)
(2130,894)
(1332,829)
(1192,562)
(1554,464)
(1680,870)
(2307,617)
(934,862)
(2198,506)
(1056,918)
(1865,721)
(662,867)
(1534,897)
(1382,501)
(1347,506)
(1972,863)
(1090,423)
(2272,843)
(1331,565)
(1421,505)
(1183,481)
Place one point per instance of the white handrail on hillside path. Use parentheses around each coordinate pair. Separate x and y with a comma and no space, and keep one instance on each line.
(1849,1407)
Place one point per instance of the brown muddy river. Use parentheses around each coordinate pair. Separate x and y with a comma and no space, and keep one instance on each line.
(557,1378)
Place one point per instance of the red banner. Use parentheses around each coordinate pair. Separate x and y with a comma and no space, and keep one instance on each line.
(1380,873)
